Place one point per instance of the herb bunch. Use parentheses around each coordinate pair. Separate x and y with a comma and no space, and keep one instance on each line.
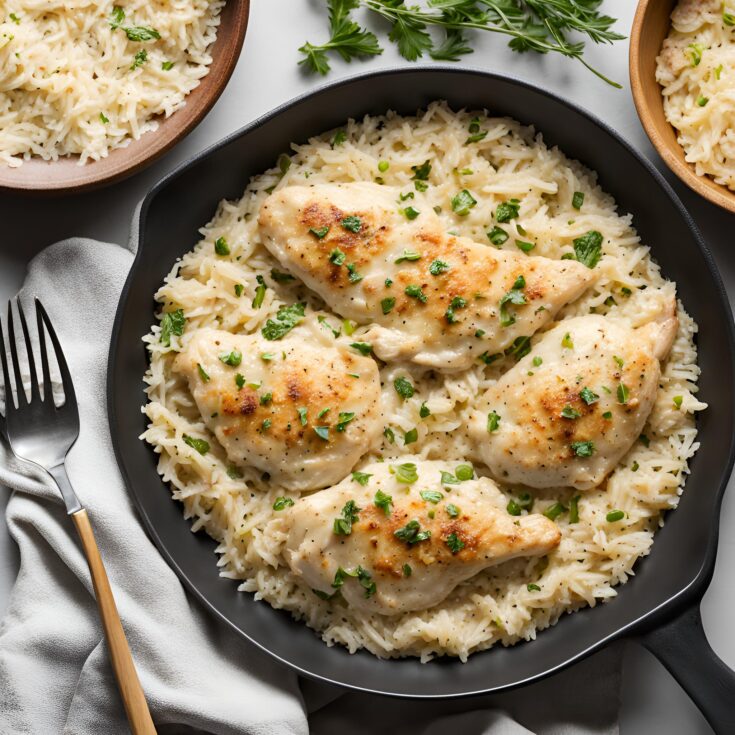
(533,25)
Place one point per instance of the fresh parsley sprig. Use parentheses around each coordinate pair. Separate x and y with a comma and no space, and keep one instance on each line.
(347,38)
(542,26)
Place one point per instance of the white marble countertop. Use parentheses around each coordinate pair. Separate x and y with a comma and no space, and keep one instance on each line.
(266,76)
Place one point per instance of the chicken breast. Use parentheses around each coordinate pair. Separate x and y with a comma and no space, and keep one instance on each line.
(435,299)
(567,412)
(299,410)
(401,537)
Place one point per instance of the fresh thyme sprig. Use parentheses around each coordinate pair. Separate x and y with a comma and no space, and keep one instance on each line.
(533,25)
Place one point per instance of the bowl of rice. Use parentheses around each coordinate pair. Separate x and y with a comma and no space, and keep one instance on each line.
(681,74)
(93,92)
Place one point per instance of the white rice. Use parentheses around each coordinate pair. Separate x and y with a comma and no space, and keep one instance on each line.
(696,69)
(511,161)
(70,82)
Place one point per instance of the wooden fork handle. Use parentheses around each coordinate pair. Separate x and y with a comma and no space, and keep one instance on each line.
(128,683)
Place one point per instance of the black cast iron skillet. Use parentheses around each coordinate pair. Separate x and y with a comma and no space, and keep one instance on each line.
(660,604)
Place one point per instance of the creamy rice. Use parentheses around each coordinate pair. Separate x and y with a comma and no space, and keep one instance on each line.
(495,606)
(696,69)
(71,83)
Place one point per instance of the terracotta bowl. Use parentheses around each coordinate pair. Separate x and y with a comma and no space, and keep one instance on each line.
(650,28)
(65,175)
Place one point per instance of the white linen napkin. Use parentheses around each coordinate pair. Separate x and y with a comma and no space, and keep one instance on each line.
(198,675)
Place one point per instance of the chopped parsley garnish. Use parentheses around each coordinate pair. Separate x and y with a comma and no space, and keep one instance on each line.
(343,419)
(14,18)
(454,543)
(449,479)
(421,173)
(302,412)
(452,510)
(234,473)
(103,118)
(326,325)
(531,587)
(322,432)
(644,440)
(259,292)
(464,472)
(337,257)
(172,323)
(702,101)
(574,509)
(408,255)
(566,341)
(513,508)
(167,65)
(349,327)
(618,361)
(623,393)
(352,223)
(340,136)
(410,213)
(221,247)
(282,503)
(287,318)
(383,166)
(365,579)
(280,277)
(583,449)
(462,202)
(438,267)
(526,247)
(615,515)
(415,292)
(387,304)
(240,380)
(319,232)
(554,511)
(506,211)
(352,275)
(497,236)
(514,296)
(405,473)
(266,425)
(694,52)
(493,422)
(361,478)
(678,400)
(588,248)
(588,396)
(239,288)
(407,571)
(404,387)
(323,412)
(424,411)
(456,303)
(476,137)
(383,501)
(362,347)
(432,496)
(520,347)
(412,534)
(343,525)
(570,413)
(266,398)
(578,199)
(537,361)
(607,415)
(411,436)
(202,373)
(487,358)
(388,282)
(201,445)
(233,359)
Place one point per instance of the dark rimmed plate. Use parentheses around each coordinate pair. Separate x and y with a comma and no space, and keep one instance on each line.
(677,571)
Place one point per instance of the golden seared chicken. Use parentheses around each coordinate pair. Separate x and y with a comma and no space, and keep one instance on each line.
(568,411)
(400,537)
(435,299)
(299,410)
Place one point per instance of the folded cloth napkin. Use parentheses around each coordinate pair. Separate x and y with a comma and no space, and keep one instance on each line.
(198,675)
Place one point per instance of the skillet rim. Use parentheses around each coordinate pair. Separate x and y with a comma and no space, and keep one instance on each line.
(689,594)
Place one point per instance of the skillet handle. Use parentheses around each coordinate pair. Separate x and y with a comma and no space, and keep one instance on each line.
(682,647)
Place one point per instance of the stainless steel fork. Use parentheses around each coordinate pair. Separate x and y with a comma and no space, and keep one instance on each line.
(41,433)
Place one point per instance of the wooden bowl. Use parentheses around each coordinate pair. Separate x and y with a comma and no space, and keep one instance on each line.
(650,27)
(65,175)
